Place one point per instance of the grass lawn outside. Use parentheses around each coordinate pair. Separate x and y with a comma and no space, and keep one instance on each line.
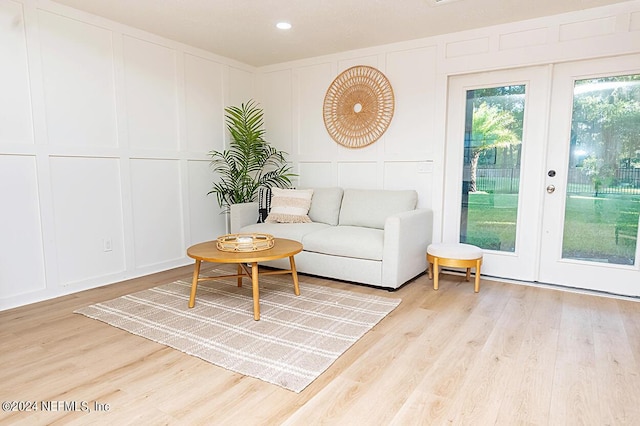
(600,229)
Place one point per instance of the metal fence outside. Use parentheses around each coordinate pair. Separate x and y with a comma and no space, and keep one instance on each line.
(507,181)
(503,181)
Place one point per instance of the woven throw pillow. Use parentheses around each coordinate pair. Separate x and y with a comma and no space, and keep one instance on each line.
(290,205)
(264,203)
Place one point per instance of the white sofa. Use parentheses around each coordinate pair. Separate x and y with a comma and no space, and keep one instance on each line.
(375,237)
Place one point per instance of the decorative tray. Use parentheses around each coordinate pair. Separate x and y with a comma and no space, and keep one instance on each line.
(245,242)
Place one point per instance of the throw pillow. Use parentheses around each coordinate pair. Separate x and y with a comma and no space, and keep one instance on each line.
(290,205)
(264,203)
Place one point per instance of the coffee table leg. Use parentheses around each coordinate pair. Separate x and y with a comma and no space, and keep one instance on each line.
(256,291)
(294,274)
(194,283)
(239,275)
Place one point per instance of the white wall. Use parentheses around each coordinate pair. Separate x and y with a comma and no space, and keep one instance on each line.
(411,153)
(104,135)
(105,129)
(293,95)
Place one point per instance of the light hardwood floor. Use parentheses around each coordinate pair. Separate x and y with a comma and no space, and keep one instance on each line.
(508,355)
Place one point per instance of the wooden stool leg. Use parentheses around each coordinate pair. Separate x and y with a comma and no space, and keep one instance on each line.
(436,273)
(429,268)
(468,274)
(476,287)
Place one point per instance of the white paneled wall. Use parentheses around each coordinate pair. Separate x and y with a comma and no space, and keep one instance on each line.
(15,103)
(104,138)
(278,112)
(79,98)
(203,226)
(413,73)
(204,95)
(410,155)
(242,82)
(359,174)
(317,174)
(150,95)
(21,242)
(87,212)
(309,84)
(157,186)
(105,130)
(296,93)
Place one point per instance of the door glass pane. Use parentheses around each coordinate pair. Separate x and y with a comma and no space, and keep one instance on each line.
(491,172)
(603,183)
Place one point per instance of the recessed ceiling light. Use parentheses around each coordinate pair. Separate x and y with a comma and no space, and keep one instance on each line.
(283,25)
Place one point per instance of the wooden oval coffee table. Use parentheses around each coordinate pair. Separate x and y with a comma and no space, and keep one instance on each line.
(208,252)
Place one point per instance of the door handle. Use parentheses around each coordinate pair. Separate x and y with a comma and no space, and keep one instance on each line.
(550,189)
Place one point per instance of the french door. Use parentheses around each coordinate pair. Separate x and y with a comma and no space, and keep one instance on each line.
(592,179)
(543,172)
(494,157)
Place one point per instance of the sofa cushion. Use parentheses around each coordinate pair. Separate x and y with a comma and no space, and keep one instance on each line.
(291,231)
(346,241)
(290,205)
(370,208)
(325,205)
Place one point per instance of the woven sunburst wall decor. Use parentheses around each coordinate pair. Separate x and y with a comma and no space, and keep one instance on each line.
(358,106)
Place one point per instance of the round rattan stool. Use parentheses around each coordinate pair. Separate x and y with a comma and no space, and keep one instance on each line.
(456,255)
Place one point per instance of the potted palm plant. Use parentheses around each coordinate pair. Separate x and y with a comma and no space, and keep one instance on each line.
(250,162)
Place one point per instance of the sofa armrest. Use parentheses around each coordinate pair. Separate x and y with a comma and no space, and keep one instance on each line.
(406,237)
(241,215)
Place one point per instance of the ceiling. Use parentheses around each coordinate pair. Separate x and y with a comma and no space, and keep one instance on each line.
(245,30)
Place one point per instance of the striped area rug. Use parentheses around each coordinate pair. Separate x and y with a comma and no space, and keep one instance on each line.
(296,339)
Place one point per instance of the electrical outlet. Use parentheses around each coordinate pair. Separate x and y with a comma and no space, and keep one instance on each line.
(107,245)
